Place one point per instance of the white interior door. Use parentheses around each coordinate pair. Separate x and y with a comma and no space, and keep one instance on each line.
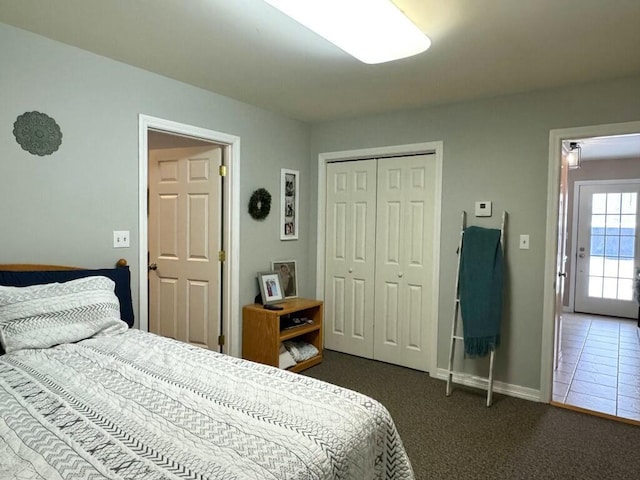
(350,257)
(404,260)
(607,252)
(184,241)
(561,261)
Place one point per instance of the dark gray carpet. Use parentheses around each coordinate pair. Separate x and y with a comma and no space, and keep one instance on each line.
(459,437)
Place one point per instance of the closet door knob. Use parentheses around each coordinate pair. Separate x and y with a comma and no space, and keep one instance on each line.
(400,274)
(351,270)
(153,266)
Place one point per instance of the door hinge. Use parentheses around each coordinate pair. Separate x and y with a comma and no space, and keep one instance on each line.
(221,340)
(222,170)
(222,256)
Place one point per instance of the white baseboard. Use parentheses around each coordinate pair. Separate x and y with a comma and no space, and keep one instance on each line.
(498,387)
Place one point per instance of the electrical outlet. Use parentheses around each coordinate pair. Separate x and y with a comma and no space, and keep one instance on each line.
(524,242)
(120,238)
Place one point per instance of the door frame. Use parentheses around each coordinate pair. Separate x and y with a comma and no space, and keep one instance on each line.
(556,137)
(435,148)
(230,222)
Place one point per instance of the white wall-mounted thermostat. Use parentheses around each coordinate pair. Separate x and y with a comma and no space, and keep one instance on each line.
(483,209)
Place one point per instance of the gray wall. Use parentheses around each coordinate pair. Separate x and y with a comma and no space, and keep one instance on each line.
(494,149)
(62,208)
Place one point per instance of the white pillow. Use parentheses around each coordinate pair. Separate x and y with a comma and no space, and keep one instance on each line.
(41,316)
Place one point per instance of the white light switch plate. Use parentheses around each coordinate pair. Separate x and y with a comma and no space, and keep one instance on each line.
(120,238)
(524,242)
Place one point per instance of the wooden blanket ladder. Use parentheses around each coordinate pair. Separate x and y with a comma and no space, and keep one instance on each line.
(456,325)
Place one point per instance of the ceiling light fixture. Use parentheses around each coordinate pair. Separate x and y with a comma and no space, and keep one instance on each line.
(574,155)
(373,31)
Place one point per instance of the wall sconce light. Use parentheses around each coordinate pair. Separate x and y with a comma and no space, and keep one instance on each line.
(573,155)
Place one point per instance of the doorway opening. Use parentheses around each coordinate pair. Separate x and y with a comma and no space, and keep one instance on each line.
(154,131)
(584,329)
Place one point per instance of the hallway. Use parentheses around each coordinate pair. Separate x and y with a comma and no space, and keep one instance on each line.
(600,365)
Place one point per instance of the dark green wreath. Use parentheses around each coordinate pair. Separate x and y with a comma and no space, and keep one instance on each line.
(260,204)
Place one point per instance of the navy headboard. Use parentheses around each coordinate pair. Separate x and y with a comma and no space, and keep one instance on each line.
(120,275)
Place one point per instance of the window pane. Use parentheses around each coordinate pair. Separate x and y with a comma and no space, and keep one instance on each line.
(610,288)
(613,225)
(597,245)
(628,224)
(625,289)
(612,246)
(597,224)
(629,203)
(599,203)
(627,249)
(596,266)
(613,203)
(595,287)
(626,268)
(611,267)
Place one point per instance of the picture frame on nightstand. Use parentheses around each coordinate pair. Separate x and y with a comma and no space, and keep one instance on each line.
(270,287)
(288,276)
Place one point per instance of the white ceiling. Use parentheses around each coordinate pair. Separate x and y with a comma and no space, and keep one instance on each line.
(611,147)
(247,50)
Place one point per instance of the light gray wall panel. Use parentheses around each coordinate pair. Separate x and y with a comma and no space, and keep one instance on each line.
(494,149)
(63,208)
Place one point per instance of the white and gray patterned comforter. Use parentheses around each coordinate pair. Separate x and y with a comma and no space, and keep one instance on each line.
(137,406)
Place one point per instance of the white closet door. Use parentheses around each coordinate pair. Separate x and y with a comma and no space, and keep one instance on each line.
(350,257)
(404,260)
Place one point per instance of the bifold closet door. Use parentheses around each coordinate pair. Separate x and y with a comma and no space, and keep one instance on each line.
(404,260)
(350,257)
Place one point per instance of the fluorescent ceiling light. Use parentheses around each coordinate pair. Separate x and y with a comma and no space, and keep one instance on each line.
(373,31)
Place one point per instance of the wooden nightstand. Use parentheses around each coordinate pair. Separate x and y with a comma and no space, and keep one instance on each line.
(262,336)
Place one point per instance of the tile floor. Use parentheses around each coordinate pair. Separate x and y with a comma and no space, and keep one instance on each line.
(600,365)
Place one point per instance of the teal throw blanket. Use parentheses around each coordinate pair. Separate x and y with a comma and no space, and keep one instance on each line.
(480,290)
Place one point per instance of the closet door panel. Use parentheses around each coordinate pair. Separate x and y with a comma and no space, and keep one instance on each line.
(416,315)
(350,257)
(405,216)
(360,310)
(337,313)
(389,318)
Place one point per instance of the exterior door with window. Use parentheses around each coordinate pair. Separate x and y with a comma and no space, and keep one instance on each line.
(607,252)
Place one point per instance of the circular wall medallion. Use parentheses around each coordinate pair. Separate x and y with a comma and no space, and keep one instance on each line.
(37,133)
(260,204)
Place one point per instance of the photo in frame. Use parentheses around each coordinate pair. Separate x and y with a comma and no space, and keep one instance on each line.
(288,276)
(289,200)
(270,287)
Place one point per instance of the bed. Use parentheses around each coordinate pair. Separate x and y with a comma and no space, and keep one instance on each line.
(84,396)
